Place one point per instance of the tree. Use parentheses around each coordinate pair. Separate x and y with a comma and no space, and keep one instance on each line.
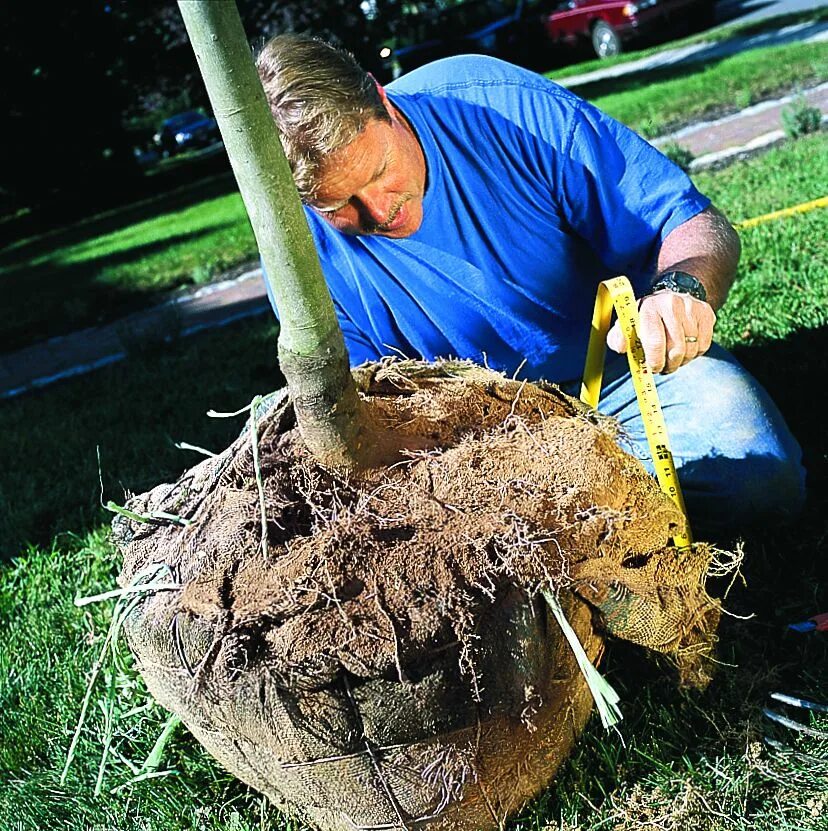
(81,93)
(312,350)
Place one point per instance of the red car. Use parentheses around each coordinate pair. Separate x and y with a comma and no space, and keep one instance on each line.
(609,24)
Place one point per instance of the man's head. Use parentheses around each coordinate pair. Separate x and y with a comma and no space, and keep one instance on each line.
(354,157)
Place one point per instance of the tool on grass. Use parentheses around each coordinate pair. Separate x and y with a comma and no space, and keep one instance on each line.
(618,293)
(791,724)
(817,623)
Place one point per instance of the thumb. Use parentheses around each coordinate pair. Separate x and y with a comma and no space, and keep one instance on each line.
(616,340)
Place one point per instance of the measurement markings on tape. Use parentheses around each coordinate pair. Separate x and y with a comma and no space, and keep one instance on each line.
(618,293)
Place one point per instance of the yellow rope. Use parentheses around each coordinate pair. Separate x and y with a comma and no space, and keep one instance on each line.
(822,202)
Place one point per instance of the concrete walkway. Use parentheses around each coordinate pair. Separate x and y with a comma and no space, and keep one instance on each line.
(62,357)
(715,142)
(225,302)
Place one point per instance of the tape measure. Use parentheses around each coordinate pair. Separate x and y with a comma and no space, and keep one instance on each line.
(618,293)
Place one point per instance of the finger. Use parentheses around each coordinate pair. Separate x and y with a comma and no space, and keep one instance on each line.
(616,339)
(706,327)
(691,347)
(653,337)
(698,329)
(677,346)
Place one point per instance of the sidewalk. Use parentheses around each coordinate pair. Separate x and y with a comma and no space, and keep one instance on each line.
(755,128)
(221,303)
(62,357)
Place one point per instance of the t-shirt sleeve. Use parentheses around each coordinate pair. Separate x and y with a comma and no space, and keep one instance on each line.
(620,194)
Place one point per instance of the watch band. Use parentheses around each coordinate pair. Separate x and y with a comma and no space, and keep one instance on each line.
(680,282)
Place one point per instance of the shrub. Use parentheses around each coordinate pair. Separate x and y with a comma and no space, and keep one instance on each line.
(799,118)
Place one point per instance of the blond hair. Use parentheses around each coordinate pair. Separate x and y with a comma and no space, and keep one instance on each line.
(320,98)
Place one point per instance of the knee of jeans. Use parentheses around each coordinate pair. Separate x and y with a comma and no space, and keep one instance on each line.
(740,495)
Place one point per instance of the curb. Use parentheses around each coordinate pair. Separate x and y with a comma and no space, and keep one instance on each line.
(757,144)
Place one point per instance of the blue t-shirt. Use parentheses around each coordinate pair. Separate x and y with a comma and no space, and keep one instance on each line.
(533,197)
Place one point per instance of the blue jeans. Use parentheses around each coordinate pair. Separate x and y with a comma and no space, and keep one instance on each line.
(737,462)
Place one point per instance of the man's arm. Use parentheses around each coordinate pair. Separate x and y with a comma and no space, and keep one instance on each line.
(707,247)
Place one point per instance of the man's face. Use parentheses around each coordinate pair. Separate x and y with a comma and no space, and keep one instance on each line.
(375,184)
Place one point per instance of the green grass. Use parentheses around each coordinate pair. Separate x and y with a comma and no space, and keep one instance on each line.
(48,646)
(687,760)
(720,34)
(782,287)
(132,414)
(110,265)
(655,102)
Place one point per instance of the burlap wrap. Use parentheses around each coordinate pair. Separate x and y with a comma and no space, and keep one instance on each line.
(385,661)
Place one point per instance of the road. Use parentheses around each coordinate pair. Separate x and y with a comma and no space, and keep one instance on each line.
(741,10)
(749,10)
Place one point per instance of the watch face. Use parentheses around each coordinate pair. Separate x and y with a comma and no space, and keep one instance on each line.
(682,282)
(685,281)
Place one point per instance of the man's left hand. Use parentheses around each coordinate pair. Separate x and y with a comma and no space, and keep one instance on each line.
(675,328)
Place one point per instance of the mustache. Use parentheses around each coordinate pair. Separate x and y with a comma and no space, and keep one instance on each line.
(395,210)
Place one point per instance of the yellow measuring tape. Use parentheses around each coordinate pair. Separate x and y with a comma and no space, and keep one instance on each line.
(618,292)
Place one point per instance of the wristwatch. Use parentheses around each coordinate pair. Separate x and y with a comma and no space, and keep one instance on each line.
(680,282)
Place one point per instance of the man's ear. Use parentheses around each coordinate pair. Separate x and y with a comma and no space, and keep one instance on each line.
(382,94)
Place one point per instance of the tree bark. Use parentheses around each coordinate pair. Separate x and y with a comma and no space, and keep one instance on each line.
(312,351)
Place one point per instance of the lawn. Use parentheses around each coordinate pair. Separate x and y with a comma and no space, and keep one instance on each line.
(658,101)
(110,265)
(98,270)
(683,760)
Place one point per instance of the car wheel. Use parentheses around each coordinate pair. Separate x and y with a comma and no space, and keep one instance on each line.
(605,40)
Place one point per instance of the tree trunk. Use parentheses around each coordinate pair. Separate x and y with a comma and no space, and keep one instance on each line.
(312,351)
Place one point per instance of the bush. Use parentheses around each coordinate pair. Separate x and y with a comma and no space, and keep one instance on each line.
(799,118)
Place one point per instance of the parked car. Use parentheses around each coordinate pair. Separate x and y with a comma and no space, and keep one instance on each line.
(186,131)
(608,25)
(509,29)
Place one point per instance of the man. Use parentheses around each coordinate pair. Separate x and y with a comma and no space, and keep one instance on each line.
(471,209)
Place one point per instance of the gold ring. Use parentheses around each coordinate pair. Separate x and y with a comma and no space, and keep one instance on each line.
(690,339)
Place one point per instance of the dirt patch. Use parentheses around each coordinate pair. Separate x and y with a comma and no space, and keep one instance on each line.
(383,658)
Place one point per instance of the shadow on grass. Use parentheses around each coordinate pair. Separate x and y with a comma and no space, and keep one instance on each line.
(790,370)
(132,413)
(50,299)
(73,210)
(116,219)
